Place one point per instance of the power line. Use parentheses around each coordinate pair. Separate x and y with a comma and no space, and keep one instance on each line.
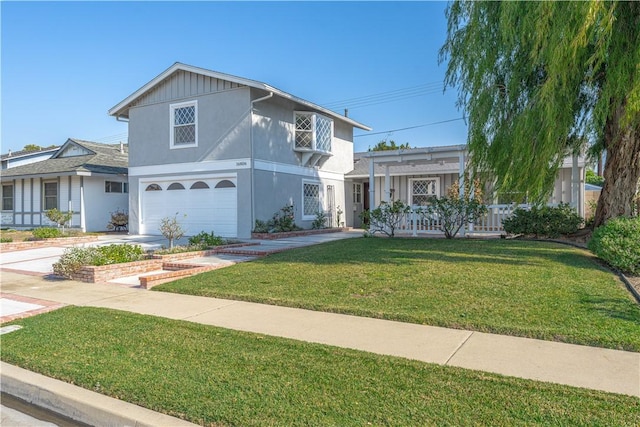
(410,127)
(388,96)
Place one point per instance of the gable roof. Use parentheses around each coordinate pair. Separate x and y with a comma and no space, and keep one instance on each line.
(98,159)
(12,155)
(122,108)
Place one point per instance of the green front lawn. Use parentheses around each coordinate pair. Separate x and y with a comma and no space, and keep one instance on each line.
(213,376)
(531,289)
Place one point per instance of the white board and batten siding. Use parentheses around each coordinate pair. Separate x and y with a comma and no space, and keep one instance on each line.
(208,204)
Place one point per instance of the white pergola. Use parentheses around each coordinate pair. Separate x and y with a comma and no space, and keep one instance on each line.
(448,154)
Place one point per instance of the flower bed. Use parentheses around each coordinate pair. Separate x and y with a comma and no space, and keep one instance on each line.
(275,236)
(34,244)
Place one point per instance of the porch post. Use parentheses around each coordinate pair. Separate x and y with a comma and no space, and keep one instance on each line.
(387,184)
(461,171)
(372,184)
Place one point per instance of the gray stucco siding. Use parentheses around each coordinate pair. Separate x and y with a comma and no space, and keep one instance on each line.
(223,125)
(274,190)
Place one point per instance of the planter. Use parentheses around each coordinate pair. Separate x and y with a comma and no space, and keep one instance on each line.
(104,273)
(275,236)
(57,241)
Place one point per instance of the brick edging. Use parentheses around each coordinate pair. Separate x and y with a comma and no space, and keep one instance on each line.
(284,235)
(34,244)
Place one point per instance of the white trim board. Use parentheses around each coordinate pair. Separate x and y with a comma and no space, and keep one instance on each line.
(190,168)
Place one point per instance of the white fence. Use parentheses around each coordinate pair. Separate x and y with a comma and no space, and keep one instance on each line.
(417,223)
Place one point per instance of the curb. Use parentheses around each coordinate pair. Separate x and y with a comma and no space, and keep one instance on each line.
(78,403)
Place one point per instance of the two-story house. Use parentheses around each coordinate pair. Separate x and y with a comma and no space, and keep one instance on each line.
(220,152)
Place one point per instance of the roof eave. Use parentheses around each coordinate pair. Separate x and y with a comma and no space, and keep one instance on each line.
(121,109)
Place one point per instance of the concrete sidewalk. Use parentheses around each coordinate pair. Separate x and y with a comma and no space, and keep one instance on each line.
(580,366)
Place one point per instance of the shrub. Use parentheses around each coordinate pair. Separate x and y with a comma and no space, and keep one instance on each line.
(320,221)
(618,243)
(454,212)
(59,217)
(206,240)
(74,258)
(6,240)
(544,221)
(282,221)
(46,233)
(387,217)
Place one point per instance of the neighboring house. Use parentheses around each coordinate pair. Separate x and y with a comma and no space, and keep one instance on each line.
(220,152)
(85,177)
(24,157)
(413,175)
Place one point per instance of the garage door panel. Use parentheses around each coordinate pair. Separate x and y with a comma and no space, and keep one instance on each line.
(206,209)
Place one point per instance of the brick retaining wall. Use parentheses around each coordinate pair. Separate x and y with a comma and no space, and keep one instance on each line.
(275,236)
(34,244)
(104,273)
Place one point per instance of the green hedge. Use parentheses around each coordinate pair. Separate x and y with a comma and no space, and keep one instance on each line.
(618,243)
(544,221)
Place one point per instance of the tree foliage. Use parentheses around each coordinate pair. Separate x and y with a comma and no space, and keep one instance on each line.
(385,145)
(539,79)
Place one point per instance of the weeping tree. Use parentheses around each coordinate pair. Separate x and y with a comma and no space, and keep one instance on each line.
(540,81)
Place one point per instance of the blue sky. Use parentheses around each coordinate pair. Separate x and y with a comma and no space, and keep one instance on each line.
(64,64)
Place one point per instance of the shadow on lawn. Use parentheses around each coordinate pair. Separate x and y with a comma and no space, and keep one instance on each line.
(400,251)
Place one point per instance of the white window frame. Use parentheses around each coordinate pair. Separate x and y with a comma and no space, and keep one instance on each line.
(172,124)
(313,131)
(312,216)
(5,197)
(44,195)
(357,191)
(425,178)
(124,187)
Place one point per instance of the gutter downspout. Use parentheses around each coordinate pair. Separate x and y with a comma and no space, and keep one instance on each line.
(253,163)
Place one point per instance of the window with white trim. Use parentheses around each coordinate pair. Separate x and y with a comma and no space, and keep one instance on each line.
(357,193)
(311,203)
(184,124)
(314,132)
(422,190)
(116,187)
(7,197)
(50,195)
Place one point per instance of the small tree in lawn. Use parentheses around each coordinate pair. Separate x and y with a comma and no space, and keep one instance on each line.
(171,229)
(59,217)
(455,211)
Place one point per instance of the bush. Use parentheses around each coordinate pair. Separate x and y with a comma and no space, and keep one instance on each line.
(387,217)
(59,217)
(320,221)
(74,258)
(454,213)
(282,221)
(6,240)
(205,240)
(46,233)
(618,243)
(543,221)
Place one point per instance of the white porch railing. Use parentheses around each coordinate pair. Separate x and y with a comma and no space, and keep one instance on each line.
(416,223)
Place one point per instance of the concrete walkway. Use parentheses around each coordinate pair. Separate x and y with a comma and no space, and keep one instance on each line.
(580,366)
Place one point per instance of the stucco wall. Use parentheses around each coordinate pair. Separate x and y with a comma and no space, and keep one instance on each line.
(223,126)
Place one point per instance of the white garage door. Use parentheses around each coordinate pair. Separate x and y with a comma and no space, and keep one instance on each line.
(200,204)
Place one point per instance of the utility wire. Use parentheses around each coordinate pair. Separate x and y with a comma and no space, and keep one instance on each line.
(410,127)
(392,95)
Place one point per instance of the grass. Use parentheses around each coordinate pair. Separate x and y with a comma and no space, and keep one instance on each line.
(218,377)
(538,290)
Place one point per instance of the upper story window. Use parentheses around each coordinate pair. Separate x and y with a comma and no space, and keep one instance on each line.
(7,197)
(184,125)
(116,187)
(313,132)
